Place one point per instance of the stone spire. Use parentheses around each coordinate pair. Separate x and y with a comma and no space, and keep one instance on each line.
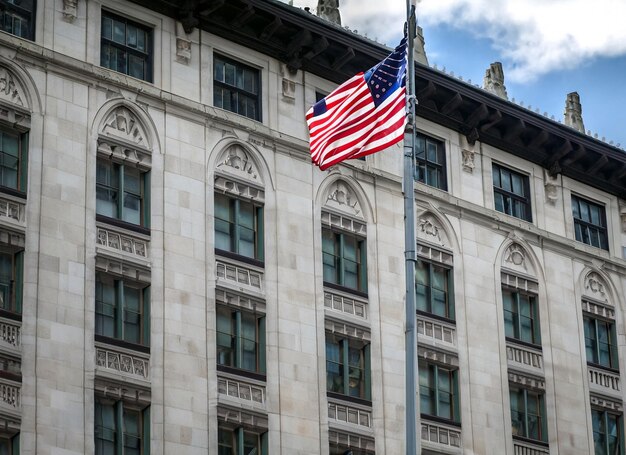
(574,112)
(329,10)
(494,80)
(419,53)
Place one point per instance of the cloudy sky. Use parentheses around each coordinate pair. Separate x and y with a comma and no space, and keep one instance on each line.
(548,48)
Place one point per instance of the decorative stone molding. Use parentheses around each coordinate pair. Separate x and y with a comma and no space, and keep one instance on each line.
(551,186)
(527,381)
(241,391)
(121,268)
(240,417)
(70,10)
(606,403)
(429,229)
(183,45)
(10,335)
(126,391)
(10,89)
(524,358)
(515,258)
(288,84)
(434,254)
(344,223)
(123,125)
(573,116)
(238,276)
(122,243)
(494,80)
(15,116)
(595,287)
(598,310)
(352,415)
(10,396)
(239,189)
(13,239)
(622,214)
(528,448)
(347,329)
(124,154)
(345,304)
(434,355)
(517,282)
(226,297)
(238,162)
(329,10)
(12,211)
(441,434)
(124,362)
(604,382)
(351,441)
(468,159)
(435,331)
(341,197)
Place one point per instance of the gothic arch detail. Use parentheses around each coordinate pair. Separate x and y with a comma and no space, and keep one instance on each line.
(595,287)
(516,258)
(340,196)
(11,90)
(431,230)
(238,162)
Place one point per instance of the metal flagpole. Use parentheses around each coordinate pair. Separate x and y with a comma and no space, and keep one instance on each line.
(409,240)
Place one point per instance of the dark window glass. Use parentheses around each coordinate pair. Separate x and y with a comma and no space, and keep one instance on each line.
(123,193)
(430,162)
(589,223)
(240,339)
(439,391)
(511,192)
(528,414)
(236,87)
(10,445)
(347,367)
(13,160)
(121,429)
(126,47)
(11,280)
(238,226)
(236,441)
(344,260)
(122,310)
(608,433)
(17,17)
(600,342)
(521,316)
(434,289)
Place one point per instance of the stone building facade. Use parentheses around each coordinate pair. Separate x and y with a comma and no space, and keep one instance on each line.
(177,278)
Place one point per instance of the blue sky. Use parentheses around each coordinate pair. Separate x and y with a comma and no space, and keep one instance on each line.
(548,48)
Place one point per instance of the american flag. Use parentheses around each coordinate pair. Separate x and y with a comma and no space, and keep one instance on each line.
(363,115)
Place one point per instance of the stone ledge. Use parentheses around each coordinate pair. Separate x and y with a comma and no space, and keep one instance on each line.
(441,438)
(236,391)
(119,363)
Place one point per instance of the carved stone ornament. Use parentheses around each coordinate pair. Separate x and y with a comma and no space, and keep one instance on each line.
(289,90)
(515,259)
(468,159)
(430,230)
(237,161)
(594,287)
(124,125)
(341,197)
(622,214)
(551,186)
(10,90)
(183,45)
(127,155)
(70,10)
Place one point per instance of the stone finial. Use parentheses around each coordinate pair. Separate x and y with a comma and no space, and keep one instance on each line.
(494,80)
(574,112)
(329,10)
(419,53)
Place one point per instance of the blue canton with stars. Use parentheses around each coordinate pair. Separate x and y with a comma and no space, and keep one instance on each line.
(389,75)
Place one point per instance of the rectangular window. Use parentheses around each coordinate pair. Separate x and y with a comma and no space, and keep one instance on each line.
(13,160)
(240,441)
(236,87)
(344,260)
(430,162)
(608,433)
(600,342)
(121,429)
(10,445)
(240,339)
(11,280)
(18,18)
(439,391)
(589,223)
(521,316)
(434,289)
(238,226)
(126,47)
(348,367)
(122,310)
(123,193)
(511,193)
(528,414)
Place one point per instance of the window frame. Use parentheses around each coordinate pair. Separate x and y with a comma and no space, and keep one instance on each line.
(16,282)
(339,264)
(16,10)
(119,169)
(428,293)
(21,188)
(119,408)
(119,311)
(427,164)
(513,197)
(234,208)
(612,345)
(541,403)
(600,230)
(453,377)
(535,318)
(345,344)
(619,425)
(257,99)
(237,341)
(237,436)
(149,54)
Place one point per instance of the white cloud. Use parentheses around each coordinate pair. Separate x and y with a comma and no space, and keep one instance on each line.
(533,37)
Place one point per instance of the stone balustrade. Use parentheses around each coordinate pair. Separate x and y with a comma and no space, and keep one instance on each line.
(603,381)
(241,390)
(524,357)
(346,305)
(527,448)
(12,211)
(122,243)
(435,331)
(128,363)
(238,275)
(352,415)
(10,335)
(10,396)
(441,434)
